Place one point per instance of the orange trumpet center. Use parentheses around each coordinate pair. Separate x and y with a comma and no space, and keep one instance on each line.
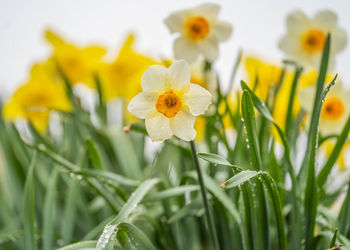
(197,28)
(169,104)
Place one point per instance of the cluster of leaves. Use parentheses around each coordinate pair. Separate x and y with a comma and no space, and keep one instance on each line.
(95,187)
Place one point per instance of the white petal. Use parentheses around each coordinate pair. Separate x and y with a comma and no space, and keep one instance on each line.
(197,99)
(158,127)
(208,10)
(209,48)
(339,39)
(297,22)
(153,78)
(178,74)
(306,97)
(182,125)
(142,104)
(186,49)
(326,18)
(221,30)
(176,21)
(289,44)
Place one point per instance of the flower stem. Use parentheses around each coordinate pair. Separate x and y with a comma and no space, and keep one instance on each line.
(209,219)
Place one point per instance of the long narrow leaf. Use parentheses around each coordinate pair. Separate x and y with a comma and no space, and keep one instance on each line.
(29,207)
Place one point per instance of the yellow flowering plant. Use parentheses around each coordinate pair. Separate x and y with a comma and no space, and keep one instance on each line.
(84,182)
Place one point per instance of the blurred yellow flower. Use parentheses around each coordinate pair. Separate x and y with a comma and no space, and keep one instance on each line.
(306,37)
(122,77)
(266,75)
(78,64)
(35,99)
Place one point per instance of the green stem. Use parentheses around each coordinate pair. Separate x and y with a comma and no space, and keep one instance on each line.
(210,222)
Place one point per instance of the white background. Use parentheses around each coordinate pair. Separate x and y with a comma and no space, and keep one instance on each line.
(258,26)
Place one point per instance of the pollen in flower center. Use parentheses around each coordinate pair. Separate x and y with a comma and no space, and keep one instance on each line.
(168,104)
(333,109)
(197,28)
(313,41)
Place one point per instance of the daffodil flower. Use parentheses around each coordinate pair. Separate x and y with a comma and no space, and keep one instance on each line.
(265,74)
(169,103)
(200,32)
(35,100)
(335,109)
(78,64)
(121,78)
(306,37)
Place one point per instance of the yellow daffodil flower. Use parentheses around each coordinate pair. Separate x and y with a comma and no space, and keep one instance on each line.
(266,75)
(169,103)
(78,64)
(200,32)
(306,37)
(34,100)
(122,77)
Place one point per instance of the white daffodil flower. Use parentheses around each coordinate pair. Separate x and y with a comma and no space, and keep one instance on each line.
(169,103)
(305,38)
(200,32)
(335,109)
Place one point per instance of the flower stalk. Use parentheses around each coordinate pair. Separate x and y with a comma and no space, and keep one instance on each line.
(208,216)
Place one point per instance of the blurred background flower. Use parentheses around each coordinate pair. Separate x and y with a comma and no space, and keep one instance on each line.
(106,23)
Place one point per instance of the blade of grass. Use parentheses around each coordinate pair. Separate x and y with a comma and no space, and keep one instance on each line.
(264,111)
(50,210)
(311,196)
(135,198)
(254,148)
(29,207)
(136,235)
(344,214)
(289,115)
(94,154)
(84,245)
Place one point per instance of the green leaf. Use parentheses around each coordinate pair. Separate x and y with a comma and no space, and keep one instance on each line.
(276,204)
(220,195)
(311,196)
(126,155)
(101,108)
(94,154)
(29,207)
(344,214)
(217,160)
(135,198)
(240,178)
(264,111)
(334,238)
(249,121)
(322,176)
(195,207)
(109,177)
(136,235)
(50,210)
(254,148)
(172,192)
(289,116)
(84,245)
